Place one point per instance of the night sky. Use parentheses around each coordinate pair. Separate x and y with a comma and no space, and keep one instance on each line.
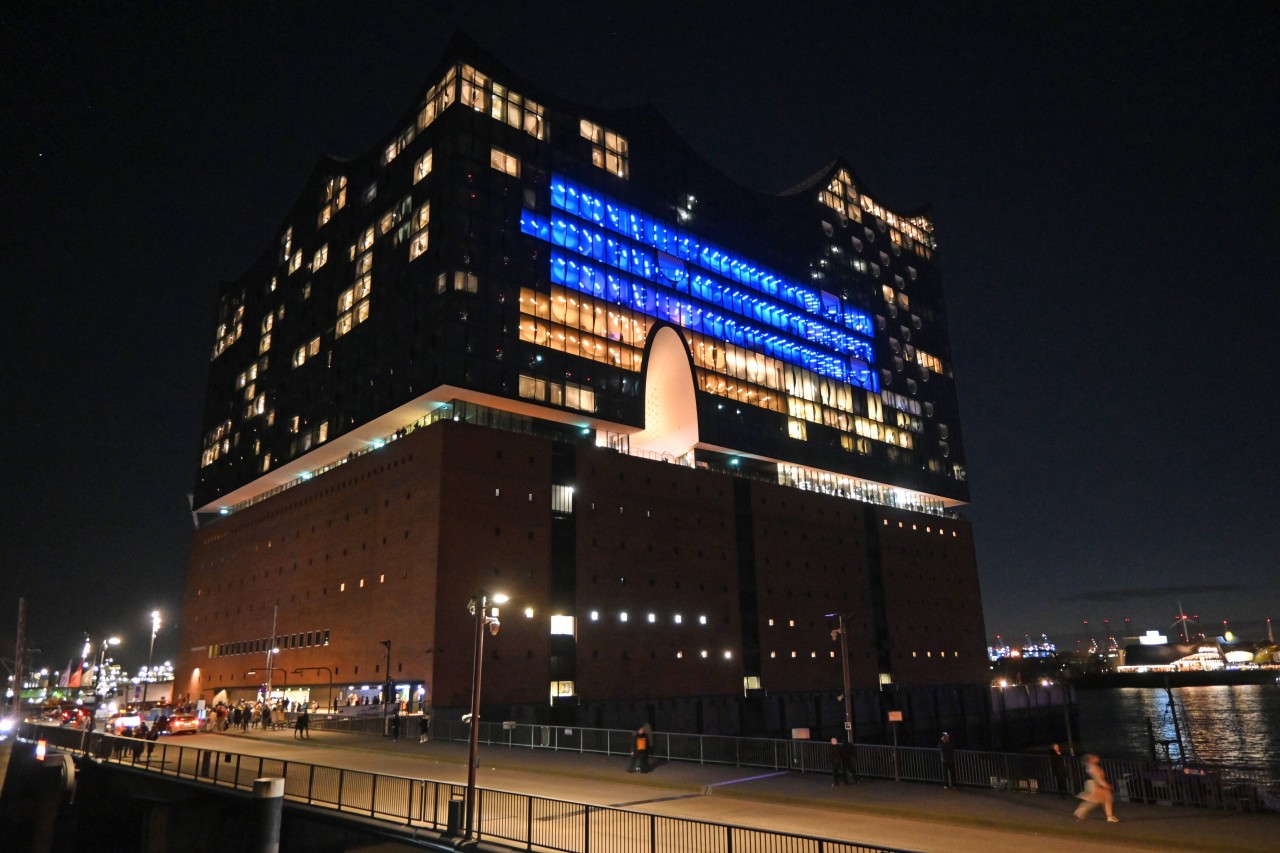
(1103,177)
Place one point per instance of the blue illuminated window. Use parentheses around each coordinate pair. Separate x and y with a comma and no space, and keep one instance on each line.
(658,281)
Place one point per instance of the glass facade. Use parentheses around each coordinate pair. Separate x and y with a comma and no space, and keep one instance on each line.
(505,243)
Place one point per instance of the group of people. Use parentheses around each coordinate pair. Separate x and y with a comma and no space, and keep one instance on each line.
(245,715)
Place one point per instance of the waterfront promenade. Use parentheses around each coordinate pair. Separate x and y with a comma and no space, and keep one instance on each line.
(895,814)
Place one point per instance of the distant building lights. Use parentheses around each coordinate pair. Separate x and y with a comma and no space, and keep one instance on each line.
(653,617)
(595,615)
(702,620)
(704,653)
(528,613)
(728,655)
(622,617)
(679,618)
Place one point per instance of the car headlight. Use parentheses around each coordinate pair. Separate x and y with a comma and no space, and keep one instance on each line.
(7,724)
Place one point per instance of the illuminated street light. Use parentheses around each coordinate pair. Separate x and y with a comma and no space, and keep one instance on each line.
(480,608)
(302,669)
(155,629)
(102,661)
(284,680)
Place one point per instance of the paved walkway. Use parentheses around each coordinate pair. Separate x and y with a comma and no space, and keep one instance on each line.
(896,814)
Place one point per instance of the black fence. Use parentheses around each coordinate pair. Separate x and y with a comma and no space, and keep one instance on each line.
(1224,787)
(528,821)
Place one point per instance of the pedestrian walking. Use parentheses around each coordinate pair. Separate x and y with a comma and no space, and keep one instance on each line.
(947,750)
(1058,766)
(1097,791)
(302,725)
(424,728)
(140,740)
(154,735)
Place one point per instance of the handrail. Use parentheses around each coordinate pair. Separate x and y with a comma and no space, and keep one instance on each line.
(1202,784)
(531,821)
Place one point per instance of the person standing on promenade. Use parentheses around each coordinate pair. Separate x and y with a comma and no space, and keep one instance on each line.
(839,772)
(849,752)
(947,750)
(640,751)
(1058,765)
(1097,790)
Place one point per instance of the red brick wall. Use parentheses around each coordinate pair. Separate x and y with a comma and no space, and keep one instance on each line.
(933,602)
(428,520)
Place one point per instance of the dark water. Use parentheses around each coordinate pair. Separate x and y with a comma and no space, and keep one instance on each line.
(1233,725)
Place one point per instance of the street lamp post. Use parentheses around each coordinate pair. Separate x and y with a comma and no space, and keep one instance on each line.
(479,607)
(155,629)
(284,676)
(102,661)
(302,669)
(844,666)
(386,688)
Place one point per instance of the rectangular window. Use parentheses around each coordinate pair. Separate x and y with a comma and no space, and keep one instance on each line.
(516,111)
(564,625)
(422,168)
(465,281)
(474,89)
(609,150)
(418,245)
(561,501)
(561,688)
(321,258)
(504,162)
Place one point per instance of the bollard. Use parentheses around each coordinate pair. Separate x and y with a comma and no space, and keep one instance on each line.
(268,807)
(453,823)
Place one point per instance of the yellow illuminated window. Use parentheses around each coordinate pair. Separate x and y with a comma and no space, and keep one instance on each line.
(504,162)
(609,150)
(422,168)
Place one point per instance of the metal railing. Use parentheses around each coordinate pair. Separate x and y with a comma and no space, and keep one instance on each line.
(1227,787)
(523,819)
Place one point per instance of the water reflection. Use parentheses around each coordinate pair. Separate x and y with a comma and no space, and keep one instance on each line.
(1232,725)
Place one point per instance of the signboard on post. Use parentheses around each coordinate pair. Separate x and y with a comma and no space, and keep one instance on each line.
(895,716)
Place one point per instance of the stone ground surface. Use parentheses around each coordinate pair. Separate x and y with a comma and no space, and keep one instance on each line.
(902,815)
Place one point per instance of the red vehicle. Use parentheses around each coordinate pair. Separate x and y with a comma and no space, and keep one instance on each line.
(75,717)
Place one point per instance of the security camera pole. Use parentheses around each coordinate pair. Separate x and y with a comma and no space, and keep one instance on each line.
(844,665)
(479,608)
(386,688)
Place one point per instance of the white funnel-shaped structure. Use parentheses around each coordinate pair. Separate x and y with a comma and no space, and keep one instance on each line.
(670,406)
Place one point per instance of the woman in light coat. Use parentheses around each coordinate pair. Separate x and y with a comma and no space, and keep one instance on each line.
(1097,790)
